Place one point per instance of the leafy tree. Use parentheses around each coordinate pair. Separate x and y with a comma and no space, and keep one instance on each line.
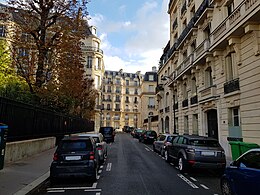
(46,21)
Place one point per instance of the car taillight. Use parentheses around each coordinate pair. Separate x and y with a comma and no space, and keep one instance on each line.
(192,162)
(99,148)
(91,156)
(55,157)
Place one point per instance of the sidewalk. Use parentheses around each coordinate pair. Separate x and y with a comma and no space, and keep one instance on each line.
(21,177)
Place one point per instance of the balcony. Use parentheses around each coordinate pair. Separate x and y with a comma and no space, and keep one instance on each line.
(194,100)
(92,49)
(184,65)
(127,101)
(117,109)
(183,8)
(185,103)
(233,24)
(117,100)
(109,91)
(135,110)
(208,93)
(159,88)
(108,118)
(127,119)
(108,108)
(201,51)
(136,102)
(151,106)
(127,110)
(231,86)
(175,24)
(117,91)
(161,110)
(116,118)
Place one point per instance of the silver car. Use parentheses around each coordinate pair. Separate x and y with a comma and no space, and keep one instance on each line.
(161,142)
(101,145)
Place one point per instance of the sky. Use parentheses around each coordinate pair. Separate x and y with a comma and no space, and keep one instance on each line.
(133,33)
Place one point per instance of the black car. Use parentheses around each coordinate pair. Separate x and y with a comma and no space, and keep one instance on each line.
(192,151)
(137,132)
(75,156)
(108,133)
(148,136)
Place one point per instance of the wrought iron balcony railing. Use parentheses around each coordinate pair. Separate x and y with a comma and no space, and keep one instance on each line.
(185,103)
(194,100)
(91,48)
(231,86)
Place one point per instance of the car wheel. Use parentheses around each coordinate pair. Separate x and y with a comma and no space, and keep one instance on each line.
(166,156)
(225,188)
(53,181)
(181,164)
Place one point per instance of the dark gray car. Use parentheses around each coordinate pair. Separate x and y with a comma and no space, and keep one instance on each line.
(191,151)
(162,141)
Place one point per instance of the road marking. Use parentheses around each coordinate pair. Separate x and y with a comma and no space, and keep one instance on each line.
(101,167)
(98,177)
(94,185)
(172,164)
(93,190)
(100,171)
(193,179)
(147,149)
(187,181)
(98,193)
(56,191)
(70,188)
(109,166)
(205,187)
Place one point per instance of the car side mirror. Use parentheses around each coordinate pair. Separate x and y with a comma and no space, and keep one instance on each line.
(234,164)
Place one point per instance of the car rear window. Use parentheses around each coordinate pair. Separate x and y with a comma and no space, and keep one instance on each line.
(205,143)
(106,130)
(69,145)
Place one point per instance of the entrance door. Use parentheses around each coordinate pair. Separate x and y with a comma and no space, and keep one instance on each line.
(212,123)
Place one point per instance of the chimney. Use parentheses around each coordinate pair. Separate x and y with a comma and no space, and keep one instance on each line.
(154,69)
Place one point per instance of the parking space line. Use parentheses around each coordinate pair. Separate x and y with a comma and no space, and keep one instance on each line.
(94,185)
(100,171)
(101,167)
(56,191)
(171,164)
(205,187)
(70,188)
(98,193)
(98,177)
(187,181)
(193,179)
(93,190)
(147,149)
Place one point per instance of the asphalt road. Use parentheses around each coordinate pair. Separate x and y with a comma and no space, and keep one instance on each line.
(133,168)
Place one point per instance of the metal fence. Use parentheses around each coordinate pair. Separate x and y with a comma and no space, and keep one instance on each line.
(27,121)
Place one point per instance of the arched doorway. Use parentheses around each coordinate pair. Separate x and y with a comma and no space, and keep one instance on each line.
(212,120)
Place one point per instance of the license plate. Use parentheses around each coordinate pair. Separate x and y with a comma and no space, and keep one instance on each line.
(72,157)
(207,153)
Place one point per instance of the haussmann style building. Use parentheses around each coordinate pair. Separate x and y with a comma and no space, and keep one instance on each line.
(209,72)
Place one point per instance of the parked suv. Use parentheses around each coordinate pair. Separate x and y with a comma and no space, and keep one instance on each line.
(148,136)
(162,141)
(191,151)
(75,156)
(108,133)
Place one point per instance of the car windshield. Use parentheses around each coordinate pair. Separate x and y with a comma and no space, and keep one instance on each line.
(76,145)
(206,143)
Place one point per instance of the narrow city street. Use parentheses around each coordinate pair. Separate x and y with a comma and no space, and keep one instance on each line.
(133,168)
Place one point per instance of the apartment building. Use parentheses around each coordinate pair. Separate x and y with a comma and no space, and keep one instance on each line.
(94,66)
(208,78)
(149,113)
(121,99)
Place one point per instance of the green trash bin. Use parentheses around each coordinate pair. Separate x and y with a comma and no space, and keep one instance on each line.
(235,149)
(245,146)
(3,137)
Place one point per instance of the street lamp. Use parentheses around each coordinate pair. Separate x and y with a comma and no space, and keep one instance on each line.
(165,78)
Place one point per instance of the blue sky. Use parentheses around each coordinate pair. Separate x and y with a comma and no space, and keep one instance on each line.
(133,32)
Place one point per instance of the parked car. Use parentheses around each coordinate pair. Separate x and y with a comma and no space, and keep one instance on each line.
(75,156)
(162,141)
(192,151)
(108,133)
(243,175)
(148,136)
(101,145)
(137,132)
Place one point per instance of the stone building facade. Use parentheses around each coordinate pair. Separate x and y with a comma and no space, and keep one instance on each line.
(208,78)
(121,99)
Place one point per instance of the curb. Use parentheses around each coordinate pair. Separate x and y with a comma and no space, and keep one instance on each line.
(35,184)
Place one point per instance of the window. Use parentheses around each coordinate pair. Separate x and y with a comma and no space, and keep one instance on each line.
(127,82)
(127,90)
(136,91)
(230,63)
(117,89)
(151,77)
(151,88)
(235,118)
(109,89)
(135,100)
(185,92)
(117,81)
(186,125)
(23,52)
(230,8)
(251,160)
(180,140)
(127,99)
(193,87)
(195,127)
(167,99)
(89,62)
(151,101)
(108,106)
(208,77)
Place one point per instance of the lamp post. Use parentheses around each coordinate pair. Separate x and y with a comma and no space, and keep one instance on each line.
(174,113)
